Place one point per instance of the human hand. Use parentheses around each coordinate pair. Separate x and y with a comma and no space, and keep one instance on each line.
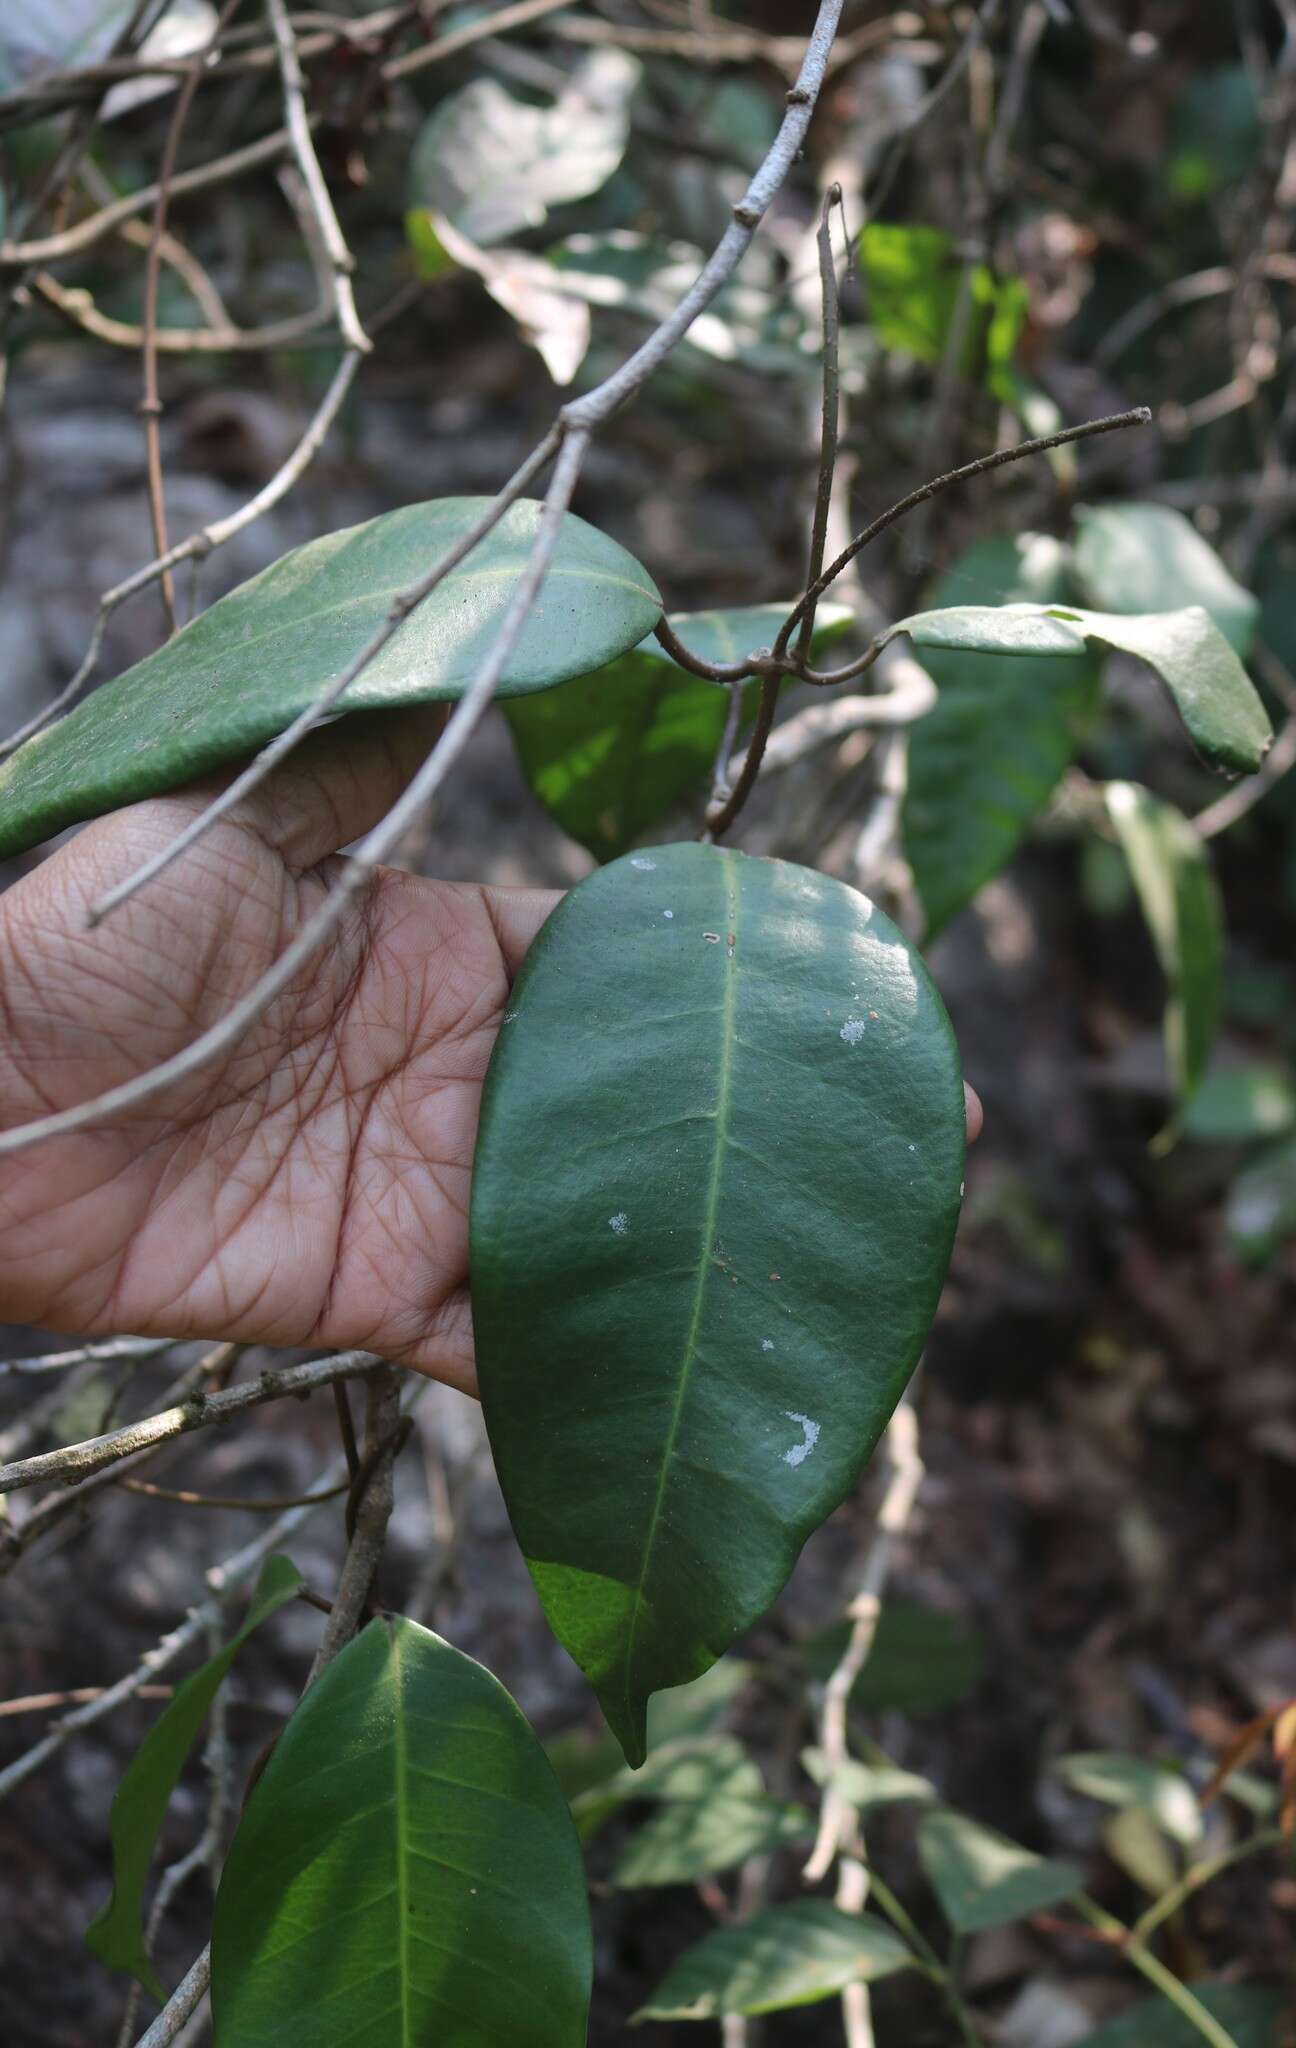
(310,1187)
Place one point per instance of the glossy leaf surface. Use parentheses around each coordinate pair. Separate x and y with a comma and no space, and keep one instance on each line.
(116,1935)
(985,760)
(405,1870)
(789,1955)
(1212,692)
(1149,558)
(982,1879)
(715,1191)
(245,668)
(1250,2013)
(610,754)
(1176,887)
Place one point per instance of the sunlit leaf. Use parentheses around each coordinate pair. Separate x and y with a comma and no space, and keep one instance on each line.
(788,1956)
(1260,1213)
(1212,692)
(1237,1103)
(405,1870)
(1149,558)
(982,1879)
(694,1319)
(584,1762)
(554,323)
(913,279)
(250,664)
(611,754)
(985,760)
(1161,1789)
(494,164)
(116,1935)
(1176,888)
(866,1785)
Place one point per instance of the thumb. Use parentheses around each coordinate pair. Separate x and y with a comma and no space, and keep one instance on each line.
(338,783)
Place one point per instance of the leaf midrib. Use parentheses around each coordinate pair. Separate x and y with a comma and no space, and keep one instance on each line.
(400,1772)
(710,1216)
(392,590)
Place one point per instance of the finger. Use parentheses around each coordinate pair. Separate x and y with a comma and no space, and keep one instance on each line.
(975,1113)
(338,783)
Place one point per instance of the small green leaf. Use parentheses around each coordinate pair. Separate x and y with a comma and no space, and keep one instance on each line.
(1234,1104)
(693,1325)
(1260,1213)
(922,1661)
(787,1956)
(1149,558)
(982,1879)
(694,1768)
(584,1763)
(987,757)
(406,1869)
(494,164)
(244,669)
(713,1813)
(913,281)
(1158,1788)
(1249,2012)
(1213,694)
(116,1935)
(610,754)
(866,1785)
(1176,887)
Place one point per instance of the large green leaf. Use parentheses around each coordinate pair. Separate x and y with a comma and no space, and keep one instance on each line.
(789,1955)
(1249,2012)
(1149,558)
(1176,887)
(494,164)
(610,754)
(116,1935)
(248,666)
(1212,692)
(406,1870)
(982,1879)
(987,757)
(715,1191)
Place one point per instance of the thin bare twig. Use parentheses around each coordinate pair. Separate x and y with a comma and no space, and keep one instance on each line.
(298,125)
(80,1461)
(903,1485)
(151,403)
(570,435)
(199,545)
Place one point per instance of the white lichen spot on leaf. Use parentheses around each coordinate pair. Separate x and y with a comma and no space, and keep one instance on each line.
(619,1224)
(853,1030)
(809,1438)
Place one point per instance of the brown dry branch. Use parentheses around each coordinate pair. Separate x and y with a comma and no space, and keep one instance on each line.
(569,439)
(277,1383)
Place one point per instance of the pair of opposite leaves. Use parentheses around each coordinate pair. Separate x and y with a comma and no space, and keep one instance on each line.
(722,1137)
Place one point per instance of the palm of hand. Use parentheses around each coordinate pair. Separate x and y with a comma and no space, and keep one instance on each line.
(310,1188)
